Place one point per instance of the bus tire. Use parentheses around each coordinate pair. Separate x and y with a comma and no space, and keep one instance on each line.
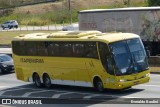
(37,80)
(98,85)
(47,81)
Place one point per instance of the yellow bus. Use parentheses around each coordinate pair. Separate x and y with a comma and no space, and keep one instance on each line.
(81,58)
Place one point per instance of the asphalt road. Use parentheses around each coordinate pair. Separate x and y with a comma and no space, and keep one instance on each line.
(10,87)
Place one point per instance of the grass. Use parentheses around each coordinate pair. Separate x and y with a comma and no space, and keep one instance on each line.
(7,36)
(49,13)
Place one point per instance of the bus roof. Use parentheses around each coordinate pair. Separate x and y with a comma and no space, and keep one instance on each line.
(120,9)
(76,36)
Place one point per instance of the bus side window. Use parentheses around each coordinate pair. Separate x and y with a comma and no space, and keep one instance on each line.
(31,48)
(91,50)
(66,49)
(105,57)
(19,48)
(78,49)
(41,49)
(51,49)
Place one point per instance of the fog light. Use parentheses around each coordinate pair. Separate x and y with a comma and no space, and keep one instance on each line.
(119,85)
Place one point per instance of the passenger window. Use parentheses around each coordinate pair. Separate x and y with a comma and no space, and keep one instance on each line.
(91,50)
(54,49)
(105,57)
(19,48)
(78,49)
(66,49)
(41,50)
(31,48)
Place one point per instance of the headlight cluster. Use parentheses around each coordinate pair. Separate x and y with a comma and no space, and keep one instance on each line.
(146,75)
(122,80)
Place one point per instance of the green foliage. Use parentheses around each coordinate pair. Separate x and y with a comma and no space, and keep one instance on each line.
(14,3)
(57,16)
(154,2)
(5,4)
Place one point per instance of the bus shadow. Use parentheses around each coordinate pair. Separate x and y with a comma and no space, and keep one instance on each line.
(93,91)
(77,89)
(76,96)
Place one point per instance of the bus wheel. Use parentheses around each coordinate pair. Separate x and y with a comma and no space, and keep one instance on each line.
(98,85)
(47,81)
(36,80)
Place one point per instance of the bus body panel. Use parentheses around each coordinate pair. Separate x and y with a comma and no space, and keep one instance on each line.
(75,71)
(61,71)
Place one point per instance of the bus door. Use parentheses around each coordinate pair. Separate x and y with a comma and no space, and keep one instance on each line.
(106,62)
(86,53)
(92,61)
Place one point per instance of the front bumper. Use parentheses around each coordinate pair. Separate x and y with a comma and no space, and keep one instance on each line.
(124,85)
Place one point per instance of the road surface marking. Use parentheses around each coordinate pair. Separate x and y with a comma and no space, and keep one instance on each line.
(2,92)
(69,92)
(58,95)
(29,93)
(90,96)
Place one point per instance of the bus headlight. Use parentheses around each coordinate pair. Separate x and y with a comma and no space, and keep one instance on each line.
(146,75)
(122,80)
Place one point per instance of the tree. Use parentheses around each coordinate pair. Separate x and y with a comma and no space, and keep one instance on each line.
(154,2)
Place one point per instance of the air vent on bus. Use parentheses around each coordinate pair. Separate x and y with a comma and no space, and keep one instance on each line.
(72,34)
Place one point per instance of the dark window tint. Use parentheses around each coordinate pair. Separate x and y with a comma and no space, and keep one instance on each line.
(59,49)
(19,48)
(66,49)
(106,57)
(78,49)
(91,50)
(41,49)
(31,48)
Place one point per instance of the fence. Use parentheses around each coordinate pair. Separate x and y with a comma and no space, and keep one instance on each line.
(36,28)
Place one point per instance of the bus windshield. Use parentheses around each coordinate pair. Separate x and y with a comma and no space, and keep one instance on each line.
(129,56)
